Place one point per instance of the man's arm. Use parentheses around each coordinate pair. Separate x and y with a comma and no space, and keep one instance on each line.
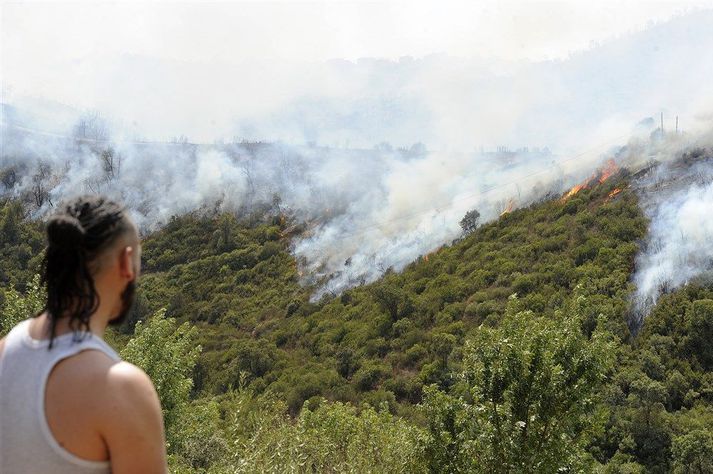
(133,425)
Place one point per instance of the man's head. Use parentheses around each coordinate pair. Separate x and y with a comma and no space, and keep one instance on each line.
(93,258)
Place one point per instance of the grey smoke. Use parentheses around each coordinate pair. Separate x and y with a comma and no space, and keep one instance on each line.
(376,209)
(677,197)
(368,206)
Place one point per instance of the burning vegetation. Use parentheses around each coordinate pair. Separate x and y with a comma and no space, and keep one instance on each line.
(599,177)
(614,193)
(509,207)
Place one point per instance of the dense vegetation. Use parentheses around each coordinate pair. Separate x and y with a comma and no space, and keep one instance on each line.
(384,341)
(437,368)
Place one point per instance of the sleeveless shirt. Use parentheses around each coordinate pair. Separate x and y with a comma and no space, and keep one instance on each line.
(26,441)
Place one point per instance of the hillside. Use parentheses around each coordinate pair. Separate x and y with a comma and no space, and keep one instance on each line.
(383,341)
(234,281)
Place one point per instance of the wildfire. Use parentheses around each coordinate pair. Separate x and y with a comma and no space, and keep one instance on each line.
(614,193)
(509,207)
(425,257)
(575,189)
(602,174)
(609,169)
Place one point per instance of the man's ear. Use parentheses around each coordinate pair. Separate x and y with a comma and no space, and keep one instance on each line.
(126,263)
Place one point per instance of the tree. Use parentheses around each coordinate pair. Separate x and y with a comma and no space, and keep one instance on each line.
(18,307)
(168,355)
(649,427)
(111,162)
(10,224)
(41,185)
(392,300)
(530,396)
(470,221)
(329,437)
(91,126)
(450,431)
(202,444)
(700,332)
(693,453)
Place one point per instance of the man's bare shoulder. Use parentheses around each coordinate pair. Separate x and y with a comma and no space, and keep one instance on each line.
(89,367)
(120,402)
(125,379)
(130,394)
(122,385)
(123,391)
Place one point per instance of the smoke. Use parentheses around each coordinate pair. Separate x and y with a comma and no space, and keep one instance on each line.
(370,210)
(365,210)
(443,101)
(379,158)
(418,207)
(676,194)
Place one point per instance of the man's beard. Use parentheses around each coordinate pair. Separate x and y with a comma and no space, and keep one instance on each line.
(128,296)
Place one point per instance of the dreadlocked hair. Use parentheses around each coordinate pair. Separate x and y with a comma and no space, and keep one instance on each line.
(77,233)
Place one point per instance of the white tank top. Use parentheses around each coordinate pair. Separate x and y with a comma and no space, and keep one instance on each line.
(27,445)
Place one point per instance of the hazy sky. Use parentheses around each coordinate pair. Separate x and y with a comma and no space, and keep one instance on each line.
(259,71)
(189,68)
(231,32)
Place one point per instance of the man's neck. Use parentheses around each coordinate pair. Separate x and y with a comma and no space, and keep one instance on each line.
(40,327)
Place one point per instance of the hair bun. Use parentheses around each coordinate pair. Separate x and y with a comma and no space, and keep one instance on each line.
(65,231)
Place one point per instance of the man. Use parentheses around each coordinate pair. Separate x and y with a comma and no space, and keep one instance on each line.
(68,404)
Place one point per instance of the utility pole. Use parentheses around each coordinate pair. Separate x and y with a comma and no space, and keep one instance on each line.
(676,124)
(661,123)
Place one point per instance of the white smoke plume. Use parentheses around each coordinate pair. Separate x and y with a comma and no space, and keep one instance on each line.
(676,194)
(365,210)
(368,205)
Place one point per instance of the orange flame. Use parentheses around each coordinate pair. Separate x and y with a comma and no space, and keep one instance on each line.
(575,189)
(509,207)
(426,257)
(609,169)
(614,193)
